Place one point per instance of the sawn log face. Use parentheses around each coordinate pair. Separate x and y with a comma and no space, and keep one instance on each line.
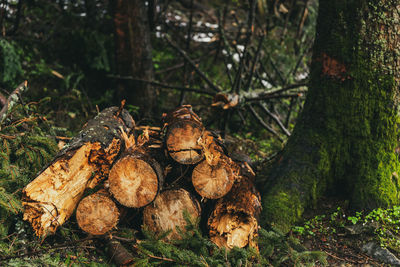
(184,129)
(167,212)
(136,178)
(97,214)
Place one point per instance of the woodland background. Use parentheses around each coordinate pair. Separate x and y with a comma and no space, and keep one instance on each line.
(242,65)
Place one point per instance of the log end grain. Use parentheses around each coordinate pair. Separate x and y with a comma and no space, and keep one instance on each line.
(133,182)
(167,212)
(212,181)
(97,214)
(181,142)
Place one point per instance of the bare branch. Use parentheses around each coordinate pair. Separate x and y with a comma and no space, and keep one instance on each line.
(262,122)
(274,118)
(167,86)
(196,69)
(12,101)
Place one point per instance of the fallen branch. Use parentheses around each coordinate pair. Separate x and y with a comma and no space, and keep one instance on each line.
(257,95)
(167,86)
(71,244)
(3,100)
(262,122)
(12,101)
(196,69)
(274,118)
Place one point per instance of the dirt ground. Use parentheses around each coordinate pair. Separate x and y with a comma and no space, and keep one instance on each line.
(341,247)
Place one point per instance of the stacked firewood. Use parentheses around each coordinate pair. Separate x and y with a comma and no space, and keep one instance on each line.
(127,170)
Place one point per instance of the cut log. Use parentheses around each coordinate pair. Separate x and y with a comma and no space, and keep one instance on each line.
(214,177)
(184,129)
(167,212)
(97,214)
(51,198)
(234,221)
(138,176)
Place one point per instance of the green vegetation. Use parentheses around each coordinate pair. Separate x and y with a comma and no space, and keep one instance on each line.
(381,225)
(197,250)
(26,146)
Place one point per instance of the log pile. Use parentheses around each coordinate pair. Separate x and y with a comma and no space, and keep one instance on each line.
(132,167)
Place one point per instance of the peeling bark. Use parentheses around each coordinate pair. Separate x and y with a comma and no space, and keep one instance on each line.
(50,199)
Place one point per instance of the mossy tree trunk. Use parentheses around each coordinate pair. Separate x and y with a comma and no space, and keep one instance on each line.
(345,140)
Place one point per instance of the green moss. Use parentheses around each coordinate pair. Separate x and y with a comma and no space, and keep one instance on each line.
(282,210)
(346,137)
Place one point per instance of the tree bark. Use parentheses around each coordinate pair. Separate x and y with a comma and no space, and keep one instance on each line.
(97,214)
(133,54)
(345,139)
(51,198)
(167,212)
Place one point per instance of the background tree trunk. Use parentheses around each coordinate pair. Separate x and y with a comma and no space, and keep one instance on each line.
(344,142)
(133,54)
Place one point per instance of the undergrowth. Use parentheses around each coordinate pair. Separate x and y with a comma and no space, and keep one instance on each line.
(194,249)
(26,146)
(381,225)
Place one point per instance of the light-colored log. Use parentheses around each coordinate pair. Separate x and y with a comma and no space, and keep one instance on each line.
(97,214)
(184,129)
(167,212)
(135,179)
(51,198)
(213,178)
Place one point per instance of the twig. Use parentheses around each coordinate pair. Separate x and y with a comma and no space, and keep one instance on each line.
(256,57)
(188,38)
(307,47)
(36,252)
(287,121)
(177,66)
(275,93)
(262,122)
(250,22)
(12,101)
(196,69)
(3,100)
(264,70)
(274,118)
(285,27)
(300,94)
(277,71)
(223,39)
(167,86)
(159,258)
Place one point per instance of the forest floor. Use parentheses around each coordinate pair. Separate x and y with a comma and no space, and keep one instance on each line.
(327,230)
